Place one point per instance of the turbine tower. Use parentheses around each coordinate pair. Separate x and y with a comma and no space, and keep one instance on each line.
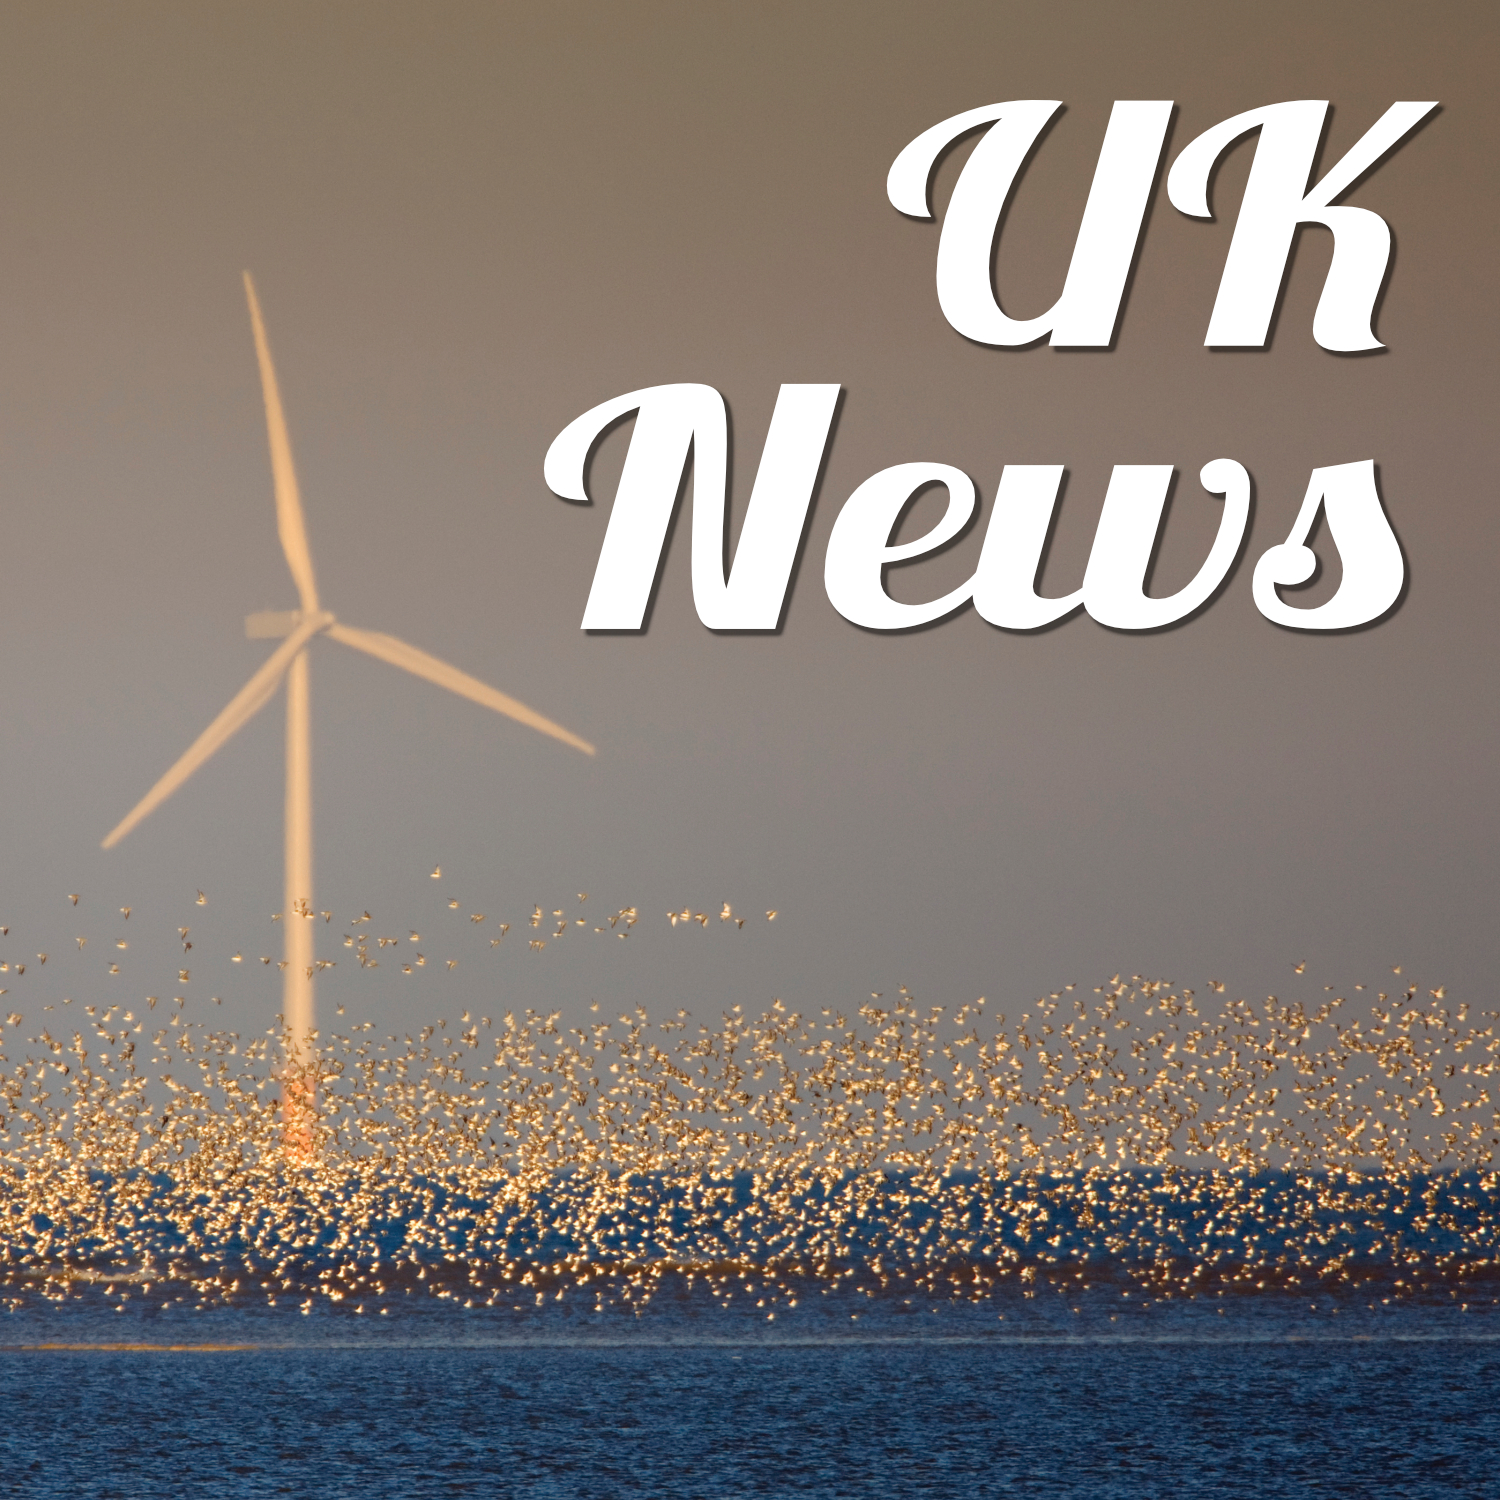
(289,660)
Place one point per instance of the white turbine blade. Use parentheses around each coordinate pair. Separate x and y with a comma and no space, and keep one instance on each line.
(290,524)
(242,707)
(387,648)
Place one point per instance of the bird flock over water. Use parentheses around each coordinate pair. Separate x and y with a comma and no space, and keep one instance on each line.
(1185,1140)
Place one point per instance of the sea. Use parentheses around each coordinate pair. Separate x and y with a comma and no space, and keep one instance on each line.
(1158,1250)
(853,1393)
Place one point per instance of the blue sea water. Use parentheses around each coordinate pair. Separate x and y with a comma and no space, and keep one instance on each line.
(1054,1395)
(441,1297)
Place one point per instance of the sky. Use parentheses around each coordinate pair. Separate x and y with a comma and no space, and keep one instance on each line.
(470,223)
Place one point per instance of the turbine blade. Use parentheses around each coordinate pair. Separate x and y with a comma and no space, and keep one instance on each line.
(242,707)
(388,649)
(290,523)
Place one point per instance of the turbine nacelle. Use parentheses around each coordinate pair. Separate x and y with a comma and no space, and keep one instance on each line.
(271,624)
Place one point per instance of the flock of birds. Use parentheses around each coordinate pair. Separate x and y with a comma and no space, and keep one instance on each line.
(1141,1131)
(618,924)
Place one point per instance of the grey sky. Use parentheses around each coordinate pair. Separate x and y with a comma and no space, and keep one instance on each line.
(468,224)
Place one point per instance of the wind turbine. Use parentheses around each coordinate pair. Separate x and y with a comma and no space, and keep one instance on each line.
(289,661)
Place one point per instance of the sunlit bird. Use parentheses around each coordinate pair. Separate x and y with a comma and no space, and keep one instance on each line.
(296,629)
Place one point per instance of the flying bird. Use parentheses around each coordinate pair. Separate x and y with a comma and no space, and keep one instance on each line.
(289,661)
